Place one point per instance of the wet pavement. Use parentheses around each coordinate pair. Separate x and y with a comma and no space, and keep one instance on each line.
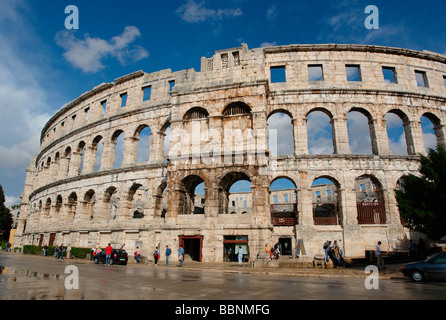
(28,277)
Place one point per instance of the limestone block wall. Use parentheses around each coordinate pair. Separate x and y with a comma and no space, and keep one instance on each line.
(211,127)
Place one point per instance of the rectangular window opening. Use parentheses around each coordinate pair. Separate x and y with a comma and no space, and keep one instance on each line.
(147,93)
(104,106)
(421,78)
(278,74)
(315,72)
(389,74)
(123,99)
(171,84)
(353,72)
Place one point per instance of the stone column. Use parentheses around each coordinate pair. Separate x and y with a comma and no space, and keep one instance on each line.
(380,141)
(440,134)
(89,160)
(108,155)
(64,167)
(74,164)
(300,136)
(414,137)
(340,135)
(130,151)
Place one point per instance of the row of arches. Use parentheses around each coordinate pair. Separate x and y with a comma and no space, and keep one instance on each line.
(232,194)
(357,133)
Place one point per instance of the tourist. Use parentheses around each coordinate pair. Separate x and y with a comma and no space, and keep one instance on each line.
(45,250)
(137,255)
(334,259)
(61,251)
(56,252)
(326,247)
(168,252)
(108,253)
(268,250)
(240,256)
(276,251)
(181,255)
(92,253)
(379,257)
(156,256)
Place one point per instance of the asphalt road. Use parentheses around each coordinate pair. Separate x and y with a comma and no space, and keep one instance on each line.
(26,277)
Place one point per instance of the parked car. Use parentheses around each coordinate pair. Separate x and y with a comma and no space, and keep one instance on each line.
(433,267)
(118,256)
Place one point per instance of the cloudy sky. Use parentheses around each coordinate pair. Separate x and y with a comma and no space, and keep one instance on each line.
(43,65)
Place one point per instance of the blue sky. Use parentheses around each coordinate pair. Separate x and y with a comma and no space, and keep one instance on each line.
(44,66)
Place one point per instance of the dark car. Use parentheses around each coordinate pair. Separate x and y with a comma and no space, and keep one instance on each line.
(118,256)
(432,268)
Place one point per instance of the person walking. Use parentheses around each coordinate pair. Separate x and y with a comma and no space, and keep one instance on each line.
(156,256)
(137,255)
(379,257)
(61,251)
(168,252)
(56,252)
(240,256)
(326,248)
(181,255)
(45,250)
(108,253)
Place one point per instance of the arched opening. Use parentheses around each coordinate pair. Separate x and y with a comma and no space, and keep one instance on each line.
(161,201)
(89,203)
(396,133)
(98,146)
(428,124)
(166,140)
(67,156)
(196,113)
(280,134)
(118,139)
(236,108)
(369,200)
(58,206)
(320,132)
(283,202)
(71,206)
(144,137)
(359,131)
(136,200)
(326,201)
(192,195)
(47,208)
(236,194)
(111,201)
(81,151)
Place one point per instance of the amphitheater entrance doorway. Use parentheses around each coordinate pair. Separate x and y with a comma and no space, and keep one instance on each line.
(285,246)
(192,246)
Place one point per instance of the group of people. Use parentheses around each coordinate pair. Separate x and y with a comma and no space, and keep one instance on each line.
(156,255)
(275,253)
(334,253)
(58,251)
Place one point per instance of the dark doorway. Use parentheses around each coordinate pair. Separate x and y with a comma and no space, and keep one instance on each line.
(285,246)
(231,245)
(192,246)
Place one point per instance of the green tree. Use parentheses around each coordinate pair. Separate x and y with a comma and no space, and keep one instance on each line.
(421,200)
(5,217)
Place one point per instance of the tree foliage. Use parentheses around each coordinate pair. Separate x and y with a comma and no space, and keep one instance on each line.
(5,217)
(421,200)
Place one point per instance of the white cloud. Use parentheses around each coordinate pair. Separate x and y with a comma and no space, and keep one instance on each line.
(23,100)
(358,133)
(197,12)
(271,13)
(268,44)
(283,142)
(88,54)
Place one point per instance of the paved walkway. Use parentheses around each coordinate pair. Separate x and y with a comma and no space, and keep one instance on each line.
(391,271)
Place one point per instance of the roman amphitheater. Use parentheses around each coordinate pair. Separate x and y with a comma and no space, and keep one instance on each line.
(151,159)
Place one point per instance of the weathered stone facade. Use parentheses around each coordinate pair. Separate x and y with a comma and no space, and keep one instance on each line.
(217,120)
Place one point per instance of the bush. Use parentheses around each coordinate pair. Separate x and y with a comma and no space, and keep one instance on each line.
(75,251)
